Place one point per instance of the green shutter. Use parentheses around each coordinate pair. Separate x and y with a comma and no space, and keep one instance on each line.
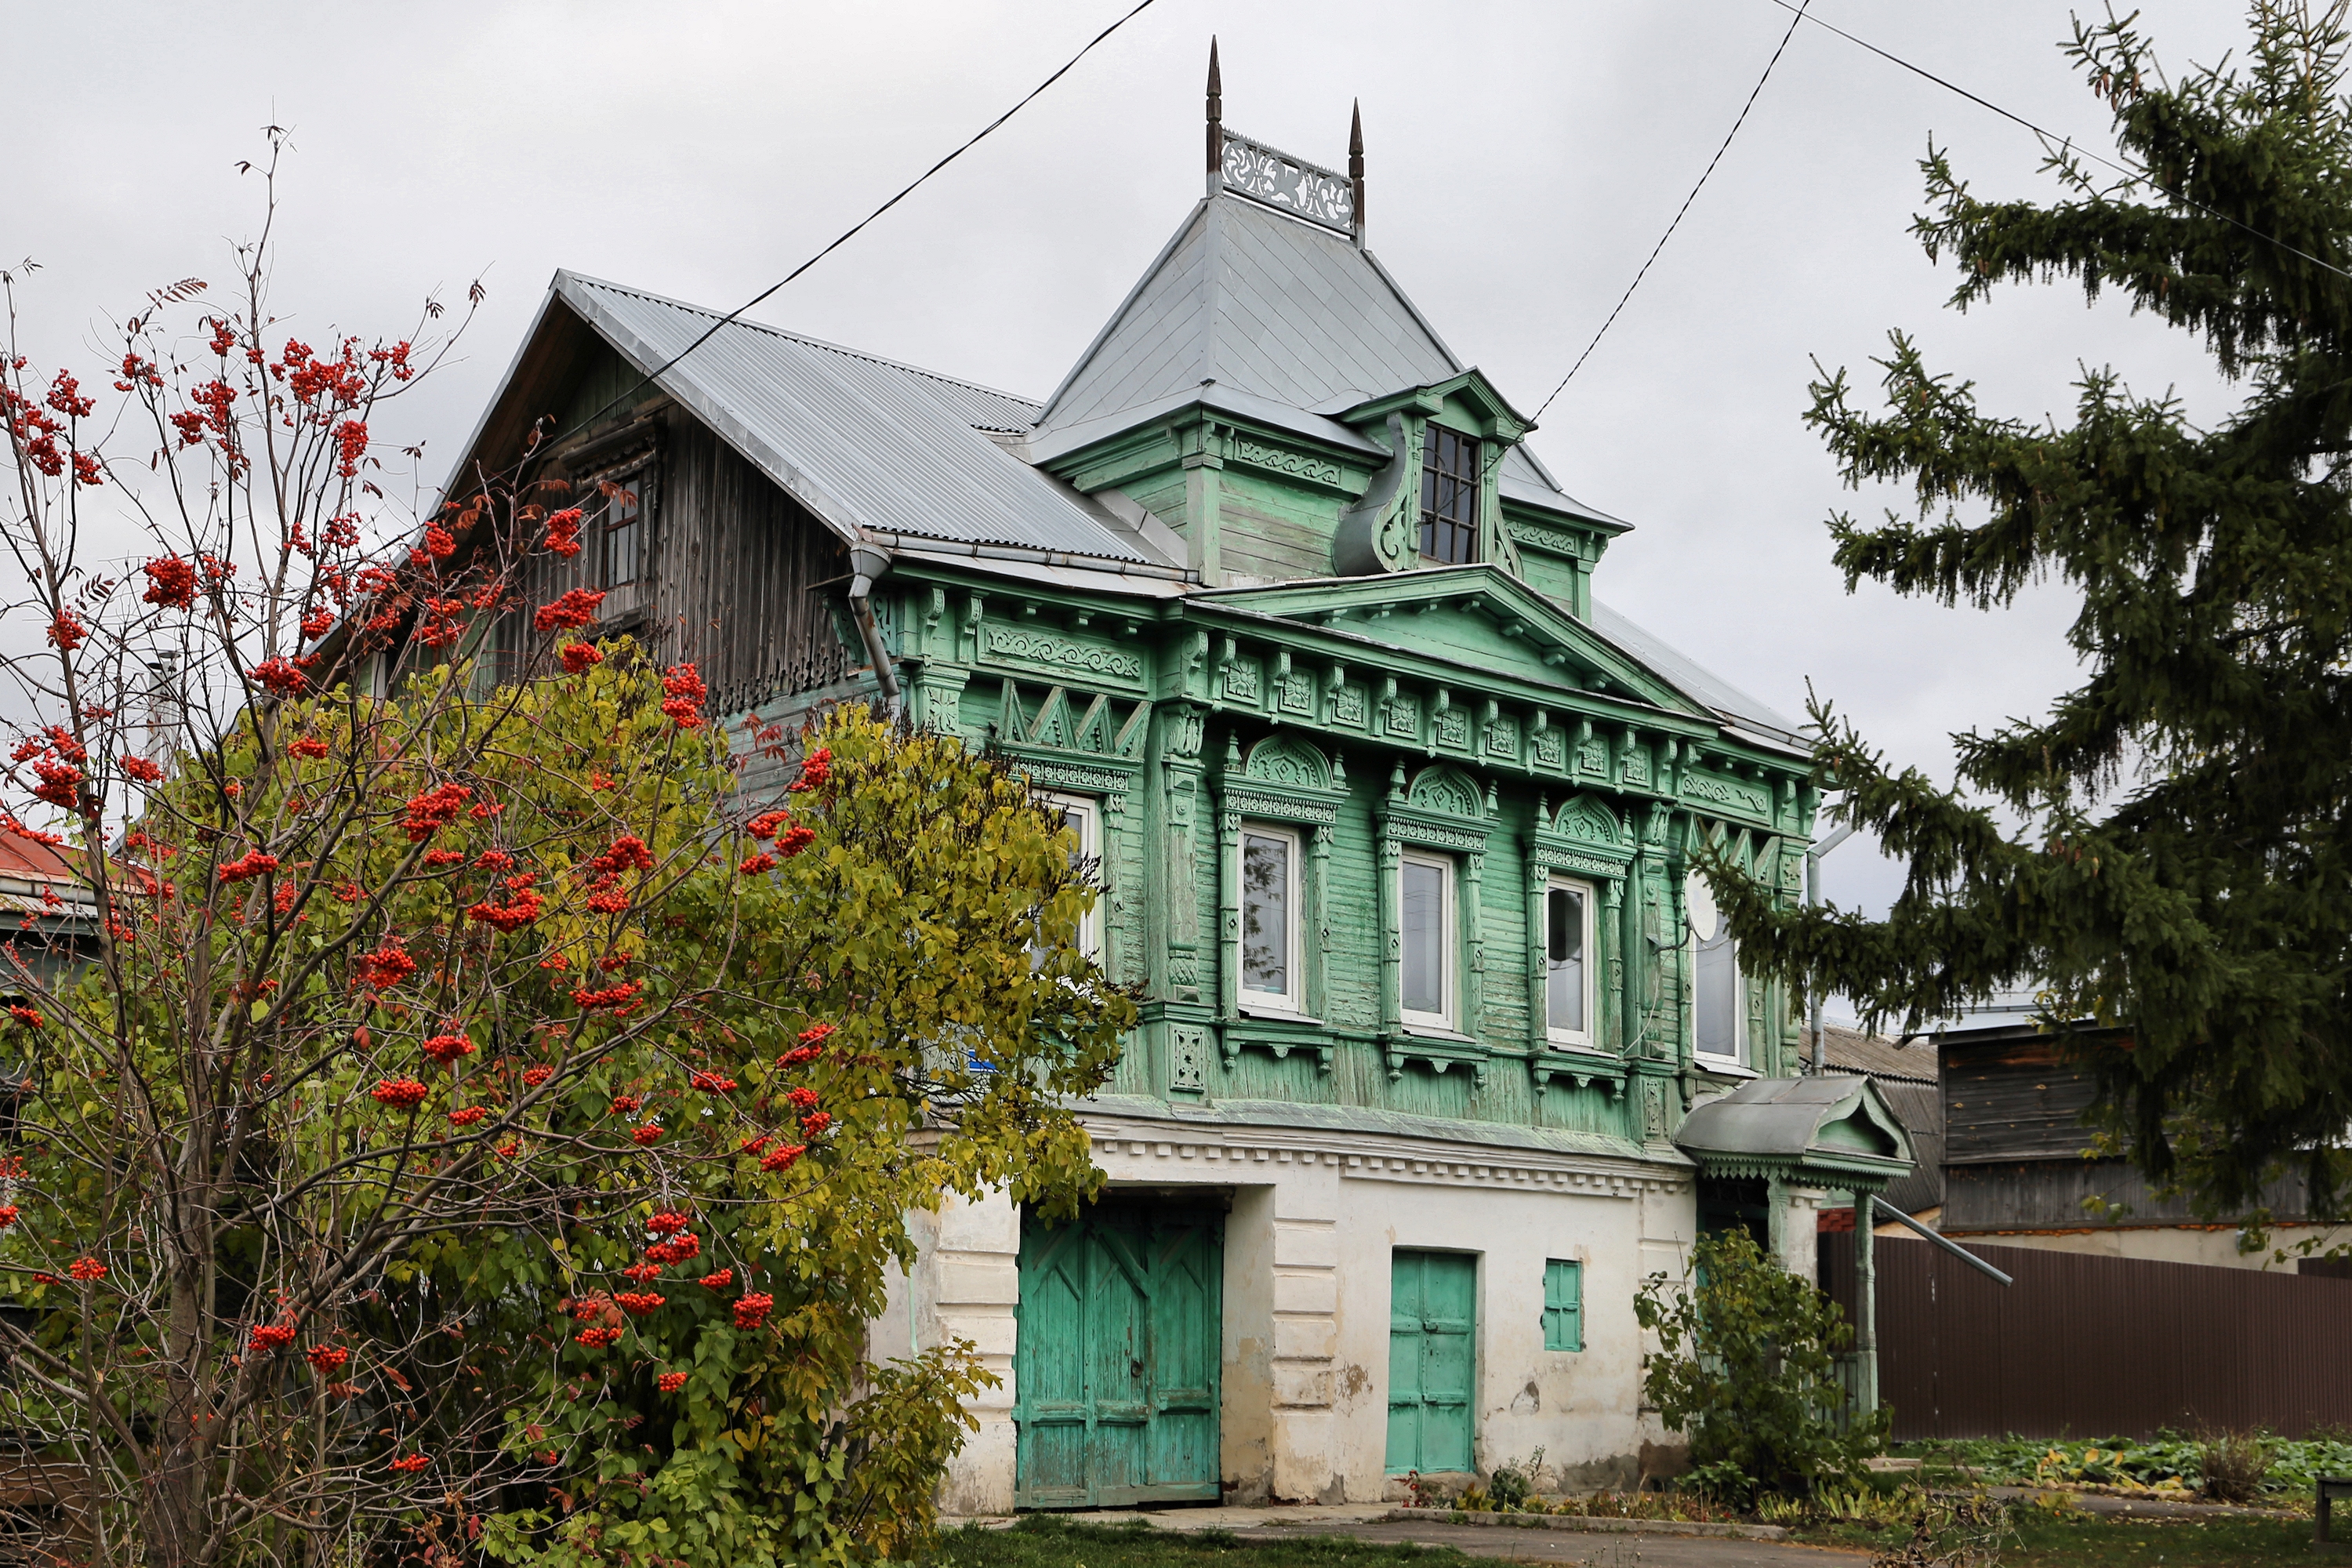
(1563,1313)
(1433,1335)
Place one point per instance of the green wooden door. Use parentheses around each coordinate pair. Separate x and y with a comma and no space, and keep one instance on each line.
(1115,1369)
(1432,1332)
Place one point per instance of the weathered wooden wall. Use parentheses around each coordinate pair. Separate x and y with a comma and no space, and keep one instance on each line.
(739,578)
(740,563)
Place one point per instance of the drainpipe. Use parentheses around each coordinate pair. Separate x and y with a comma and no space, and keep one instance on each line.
(870,564)
(1812,900)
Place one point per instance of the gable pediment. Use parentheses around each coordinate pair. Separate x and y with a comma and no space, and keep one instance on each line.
(1478,616)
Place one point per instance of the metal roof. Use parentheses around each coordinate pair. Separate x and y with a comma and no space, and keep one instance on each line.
(870,446)
(1250,306)
(1790,1120)
(1645,647)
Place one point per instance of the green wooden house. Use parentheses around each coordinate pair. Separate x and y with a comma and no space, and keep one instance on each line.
(1392,814)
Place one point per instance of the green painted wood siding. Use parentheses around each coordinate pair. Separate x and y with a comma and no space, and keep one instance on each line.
(1433,1361)
(1116,1358)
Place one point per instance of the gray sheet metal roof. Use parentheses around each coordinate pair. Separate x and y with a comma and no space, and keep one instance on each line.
(1287,320)
(1783,1119)
(1694,679)
(867,444)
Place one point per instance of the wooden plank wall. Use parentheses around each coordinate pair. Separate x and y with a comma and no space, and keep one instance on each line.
(739,563)
(2014,1099)
(744,580)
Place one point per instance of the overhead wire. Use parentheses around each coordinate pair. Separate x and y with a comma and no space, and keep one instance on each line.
(649,377)
(2121,166)
(1654,250)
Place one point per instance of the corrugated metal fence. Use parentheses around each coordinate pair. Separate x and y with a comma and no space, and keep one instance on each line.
(2099,1347)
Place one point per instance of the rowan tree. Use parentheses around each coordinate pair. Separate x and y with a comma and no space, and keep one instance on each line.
(473,1126)
(2167,856)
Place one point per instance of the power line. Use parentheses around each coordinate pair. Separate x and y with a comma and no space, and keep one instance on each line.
(851,232)
(1685,208)
(2124,167)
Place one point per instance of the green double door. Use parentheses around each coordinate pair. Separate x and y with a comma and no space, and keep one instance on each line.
(1432,1376)
(1115,1369)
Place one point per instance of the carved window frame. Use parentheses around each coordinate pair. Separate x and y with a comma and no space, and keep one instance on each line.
(1585,840)
(1292,998)
(1587,897)
(1448,812)
(1085,813)
(1447,1017)
(1291,784)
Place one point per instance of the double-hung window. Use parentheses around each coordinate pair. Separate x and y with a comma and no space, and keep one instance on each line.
(1568,963)
(1718,996)
(1083,818)
(1271,970)
(1425,899)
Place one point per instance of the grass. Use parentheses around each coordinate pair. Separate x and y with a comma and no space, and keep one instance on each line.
(2040,1540)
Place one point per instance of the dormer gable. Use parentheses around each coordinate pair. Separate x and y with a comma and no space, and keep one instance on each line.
(1478,616)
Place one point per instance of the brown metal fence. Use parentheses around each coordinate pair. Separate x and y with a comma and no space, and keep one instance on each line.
(2099,1347)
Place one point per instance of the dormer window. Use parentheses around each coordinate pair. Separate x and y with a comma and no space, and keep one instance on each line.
(1450,482)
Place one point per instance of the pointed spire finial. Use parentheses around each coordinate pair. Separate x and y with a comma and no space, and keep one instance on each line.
(1216,118)
(1356,165)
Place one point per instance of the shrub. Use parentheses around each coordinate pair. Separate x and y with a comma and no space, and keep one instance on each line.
(2235,1463)
(1745,1368)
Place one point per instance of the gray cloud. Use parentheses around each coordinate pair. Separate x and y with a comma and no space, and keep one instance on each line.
(1523,158)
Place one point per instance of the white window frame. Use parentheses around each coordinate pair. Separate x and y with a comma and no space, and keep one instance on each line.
(1738,1055)
(1449,941)
(1293,999)
(1084,812)
(1589,899)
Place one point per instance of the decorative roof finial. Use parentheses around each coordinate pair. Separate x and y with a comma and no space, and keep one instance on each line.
(1356,165)
(1216,120)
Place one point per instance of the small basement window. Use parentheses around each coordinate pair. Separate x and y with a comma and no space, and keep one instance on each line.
(1450,482)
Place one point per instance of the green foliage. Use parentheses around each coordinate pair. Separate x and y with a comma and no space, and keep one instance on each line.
(1746,1368)
(2167,854)
(2171,1461)
(668,1111)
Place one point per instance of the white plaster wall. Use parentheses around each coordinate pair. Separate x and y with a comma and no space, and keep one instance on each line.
(966,1284)
(1307,1245)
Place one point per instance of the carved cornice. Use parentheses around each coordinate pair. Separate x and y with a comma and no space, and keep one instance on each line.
(1033,648)
(1132,1152)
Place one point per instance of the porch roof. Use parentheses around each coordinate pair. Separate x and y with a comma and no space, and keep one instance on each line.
(1828,1131)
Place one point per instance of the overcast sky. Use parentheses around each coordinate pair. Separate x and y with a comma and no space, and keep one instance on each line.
(1522,158)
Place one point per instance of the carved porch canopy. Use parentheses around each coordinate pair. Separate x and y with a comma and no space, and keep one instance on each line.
(1830,1130)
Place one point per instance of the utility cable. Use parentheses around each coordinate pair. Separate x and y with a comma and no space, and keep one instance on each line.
(1685,208)
(2121,166)
(851,232)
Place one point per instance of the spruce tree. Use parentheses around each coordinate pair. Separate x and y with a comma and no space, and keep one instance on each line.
(2167,855)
